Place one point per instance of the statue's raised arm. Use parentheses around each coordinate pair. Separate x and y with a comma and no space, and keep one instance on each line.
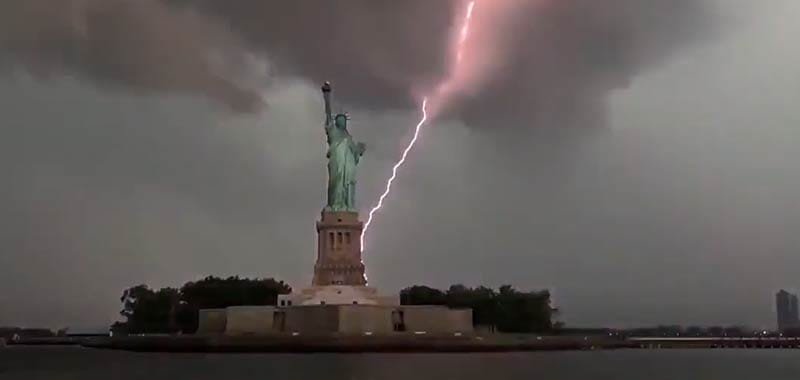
(326,94)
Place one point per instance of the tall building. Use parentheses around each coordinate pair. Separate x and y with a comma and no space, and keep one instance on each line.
(787,308)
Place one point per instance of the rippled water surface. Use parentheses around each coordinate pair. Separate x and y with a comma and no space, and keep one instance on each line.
(79,363)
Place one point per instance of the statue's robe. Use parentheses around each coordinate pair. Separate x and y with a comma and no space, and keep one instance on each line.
(343,156)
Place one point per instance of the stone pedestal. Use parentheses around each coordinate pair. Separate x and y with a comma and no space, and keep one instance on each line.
(339,302)
(339,250)
(337,295)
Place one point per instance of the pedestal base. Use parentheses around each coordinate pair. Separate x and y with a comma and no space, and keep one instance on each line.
(339,250)
(337,295)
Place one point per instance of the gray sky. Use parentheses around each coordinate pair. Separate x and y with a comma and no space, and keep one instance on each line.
(639,163)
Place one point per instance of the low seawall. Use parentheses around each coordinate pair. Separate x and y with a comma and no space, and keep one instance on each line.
(49,341)
(712,342)
(355,344)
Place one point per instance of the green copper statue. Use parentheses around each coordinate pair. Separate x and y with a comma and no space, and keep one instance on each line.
(343,157)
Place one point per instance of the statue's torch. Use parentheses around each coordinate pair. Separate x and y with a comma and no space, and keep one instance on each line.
(326,94)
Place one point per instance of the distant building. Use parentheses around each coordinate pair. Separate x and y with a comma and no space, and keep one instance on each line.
(787,309)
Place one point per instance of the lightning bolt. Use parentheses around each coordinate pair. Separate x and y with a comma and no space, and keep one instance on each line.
(395,169)
(465,32)
(463,36)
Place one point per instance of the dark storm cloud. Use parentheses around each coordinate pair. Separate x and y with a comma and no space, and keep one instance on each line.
(144,45)
(566,56)
(370,47)
(559,59)
(555,60)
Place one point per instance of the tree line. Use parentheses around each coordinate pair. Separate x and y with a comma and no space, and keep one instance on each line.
(503,310)
(175,310)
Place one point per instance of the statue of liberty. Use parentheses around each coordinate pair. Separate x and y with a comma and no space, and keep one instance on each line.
(343,156)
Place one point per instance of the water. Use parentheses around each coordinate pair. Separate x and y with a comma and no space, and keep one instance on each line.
(55,363)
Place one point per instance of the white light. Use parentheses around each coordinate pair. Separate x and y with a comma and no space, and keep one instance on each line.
(295,333)
(368,333)
(465,29)
(420,332)
(395,168)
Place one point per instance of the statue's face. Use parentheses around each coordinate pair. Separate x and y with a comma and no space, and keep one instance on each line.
(341,121)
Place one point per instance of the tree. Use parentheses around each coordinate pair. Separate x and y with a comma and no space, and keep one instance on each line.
(484,306)
(217,293)
(523,312)
(506,310)
(170,310)
(422,295)
(149,311)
